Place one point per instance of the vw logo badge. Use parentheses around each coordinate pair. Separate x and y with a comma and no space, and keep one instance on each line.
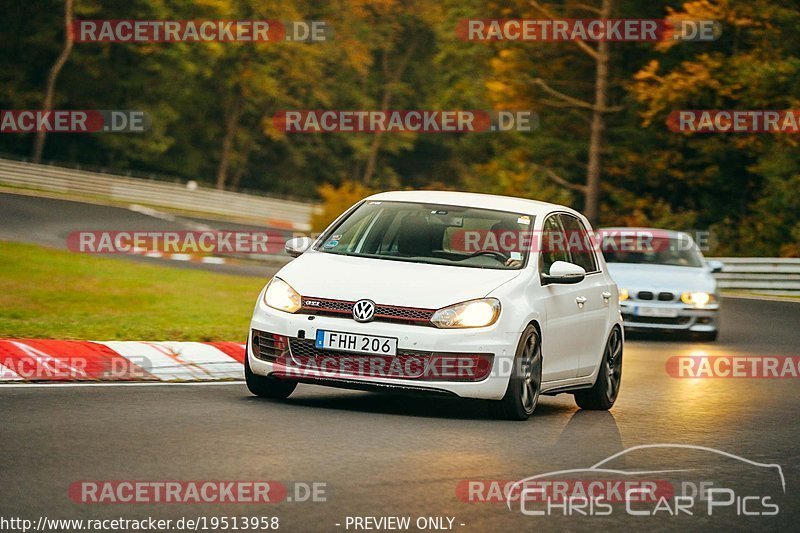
(364,310)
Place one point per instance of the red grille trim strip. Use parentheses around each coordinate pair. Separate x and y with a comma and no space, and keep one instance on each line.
(391,313)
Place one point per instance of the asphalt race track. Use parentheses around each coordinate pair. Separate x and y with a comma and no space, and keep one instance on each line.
(387,455)
(48,222)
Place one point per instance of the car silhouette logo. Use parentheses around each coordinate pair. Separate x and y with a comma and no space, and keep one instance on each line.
(364,310)
(601,467)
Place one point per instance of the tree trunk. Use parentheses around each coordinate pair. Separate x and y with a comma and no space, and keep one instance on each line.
(391,79)
(594,167)
(241,167)
(231,126)
(375,147)
(55,70)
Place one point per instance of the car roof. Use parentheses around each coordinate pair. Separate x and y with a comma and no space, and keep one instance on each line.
(660,232)
(469,199)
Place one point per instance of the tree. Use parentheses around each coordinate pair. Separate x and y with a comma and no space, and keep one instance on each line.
(744,186)
(601,55)
(55,70)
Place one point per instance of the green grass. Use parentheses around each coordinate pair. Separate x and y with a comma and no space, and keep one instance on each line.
(47,293)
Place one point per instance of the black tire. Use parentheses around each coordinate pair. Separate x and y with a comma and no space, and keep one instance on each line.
(267,386)
(525,383)
(604,392)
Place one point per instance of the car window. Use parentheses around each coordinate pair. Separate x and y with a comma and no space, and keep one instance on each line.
(579,244)
(658,250)
(452,241)
(553,244)
(431,233)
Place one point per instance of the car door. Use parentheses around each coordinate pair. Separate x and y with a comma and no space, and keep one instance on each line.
(562,337)
(595,288)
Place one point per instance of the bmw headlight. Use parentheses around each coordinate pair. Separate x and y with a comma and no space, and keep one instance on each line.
(623,295)
(697,298)
(472,314)
(281,296)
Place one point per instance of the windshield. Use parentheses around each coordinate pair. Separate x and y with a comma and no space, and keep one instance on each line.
(673,251)
(431,233)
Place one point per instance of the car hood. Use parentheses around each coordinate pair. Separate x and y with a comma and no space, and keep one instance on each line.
(401,283)
(662,277)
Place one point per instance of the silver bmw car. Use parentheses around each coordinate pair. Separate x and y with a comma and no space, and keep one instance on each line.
(665,283)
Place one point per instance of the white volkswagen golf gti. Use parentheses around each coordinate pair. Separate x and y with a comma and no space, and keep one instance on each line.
(467,295)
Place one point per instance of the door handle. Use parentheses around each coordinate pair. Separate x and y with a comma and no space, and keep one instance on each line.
(606,296)
(580,300)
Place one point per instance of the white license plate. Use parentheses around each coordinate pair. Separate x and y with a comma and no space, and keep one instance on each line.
(354,343)
(659,312)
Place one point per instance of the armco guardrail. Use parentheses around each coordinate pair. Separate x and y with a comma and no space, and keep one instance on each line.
(770,275)
(271,211)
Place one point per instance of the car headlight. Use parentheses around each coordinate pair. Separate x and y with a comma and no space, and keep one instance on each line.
(472,314)
(697,298)
(281,296)
(623,295)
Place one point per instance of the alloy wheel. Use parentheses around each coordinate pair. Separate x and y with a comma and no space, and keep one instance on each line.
(531,382)
(613,364)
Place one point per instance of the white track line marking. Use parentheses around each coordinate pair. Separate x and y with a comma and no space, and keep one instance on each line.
(763,298)
(150,212)
(155,213)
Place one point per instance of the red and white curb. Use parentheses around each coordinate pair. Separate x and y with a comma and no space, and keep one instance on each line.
(38,360)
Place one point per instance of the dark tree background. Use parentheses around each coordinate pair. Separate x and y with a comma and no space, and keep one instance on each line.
(211,106)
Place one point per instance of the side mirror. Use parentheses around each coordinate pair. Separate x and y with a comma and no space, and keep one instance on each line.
(297,246)
(716,266)
(564,273)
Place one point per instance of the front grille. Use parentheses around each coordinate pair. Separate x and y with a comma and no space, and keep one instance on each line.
(666,296)
(334,306)
(667,321)
(383,313)
(269,346)
(645,295)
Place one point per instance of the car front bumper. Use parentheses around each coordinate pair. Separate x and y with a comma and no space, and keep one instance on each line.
(491,341)
(639,316)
